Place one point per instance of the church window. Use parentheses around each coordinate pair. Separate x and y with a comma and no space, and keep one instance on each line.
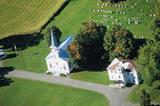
(64,67)
(56,63)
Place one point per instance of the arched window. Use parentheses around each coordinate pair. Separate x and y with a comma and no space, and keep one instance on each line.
(64,67)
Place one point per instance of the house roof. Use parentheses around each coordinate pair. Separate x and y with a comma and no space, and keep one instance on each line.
(120,63)
(114,64)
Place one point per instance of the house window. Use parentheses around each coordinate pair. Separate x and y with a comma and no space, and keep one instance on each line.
(50,65)
(119,76)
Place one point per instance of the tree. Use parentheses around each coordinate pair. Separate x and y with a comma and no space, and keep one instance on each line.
(87,48)
(156,27)
(145,99)
(73,48)
(118,42)
(149,62)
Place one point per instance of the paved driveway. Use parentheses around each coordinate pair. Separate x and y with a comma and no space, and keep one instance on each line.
(117,97)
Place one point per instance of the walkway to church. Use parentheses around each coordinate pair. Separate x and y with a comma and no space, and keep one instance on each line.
(117,97)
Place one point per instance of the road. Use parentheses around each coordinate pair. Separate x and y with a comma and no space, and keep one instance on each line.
(117,97)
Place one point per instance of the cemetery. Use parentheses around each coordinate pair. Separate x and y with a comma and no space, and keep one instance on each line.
(135,14)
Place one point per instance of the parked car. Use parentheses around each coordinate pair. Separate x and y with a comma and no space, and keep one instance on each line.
(2,54)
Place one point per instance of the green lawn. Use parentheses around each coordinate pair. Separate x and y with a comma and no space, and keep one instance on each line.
(70,19)
(30,59)
(78,11)
(33,93)
(134,96)
(100,77)
(25,16)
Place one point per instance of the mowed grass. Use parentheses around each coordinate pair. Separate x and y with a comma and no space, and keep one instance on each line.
(30,59)
(33,93)
(100,77)
(79,11)
(25,16)
(70,19)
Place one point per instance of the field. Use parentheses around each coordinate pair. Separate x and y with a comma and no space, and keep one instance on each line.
(33,93)
(25,16)
(79,11)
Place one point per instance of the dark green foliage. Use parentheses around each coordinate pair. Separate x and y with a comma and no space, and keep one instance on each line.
(149,62)
(145,99)
(156,27)
(118,42)
(21,42)
(156,84)
(90,43)
(112,1)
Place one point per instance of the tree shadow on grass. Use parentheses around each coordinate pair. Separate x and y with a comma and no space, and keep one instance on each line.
(13,55)
(96,66)
(4,81)
(21,41)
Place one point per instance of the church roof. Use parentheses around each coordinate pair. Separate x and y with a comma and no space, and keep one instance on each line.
(60,53)
(66,43)
(63,54)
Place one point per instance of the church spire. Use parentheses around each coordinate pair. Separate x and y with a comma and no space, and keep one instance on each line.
(54,42)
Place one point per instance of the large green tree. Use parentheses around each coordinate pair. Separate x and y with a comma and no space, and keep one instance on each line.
(145,99)
(149,62)
(87,48)
(156,27)
(118,42)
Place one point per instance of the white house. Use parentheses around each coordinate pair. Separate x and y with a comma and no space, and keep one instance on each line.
(58,60)
(123,71)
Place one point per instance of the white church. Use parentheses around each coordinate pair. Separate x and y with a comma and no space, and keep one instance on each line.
(58,60)
(123,72)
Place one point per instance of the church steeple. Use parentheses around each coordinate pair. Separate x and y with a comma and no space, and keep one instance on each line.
(54,42)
